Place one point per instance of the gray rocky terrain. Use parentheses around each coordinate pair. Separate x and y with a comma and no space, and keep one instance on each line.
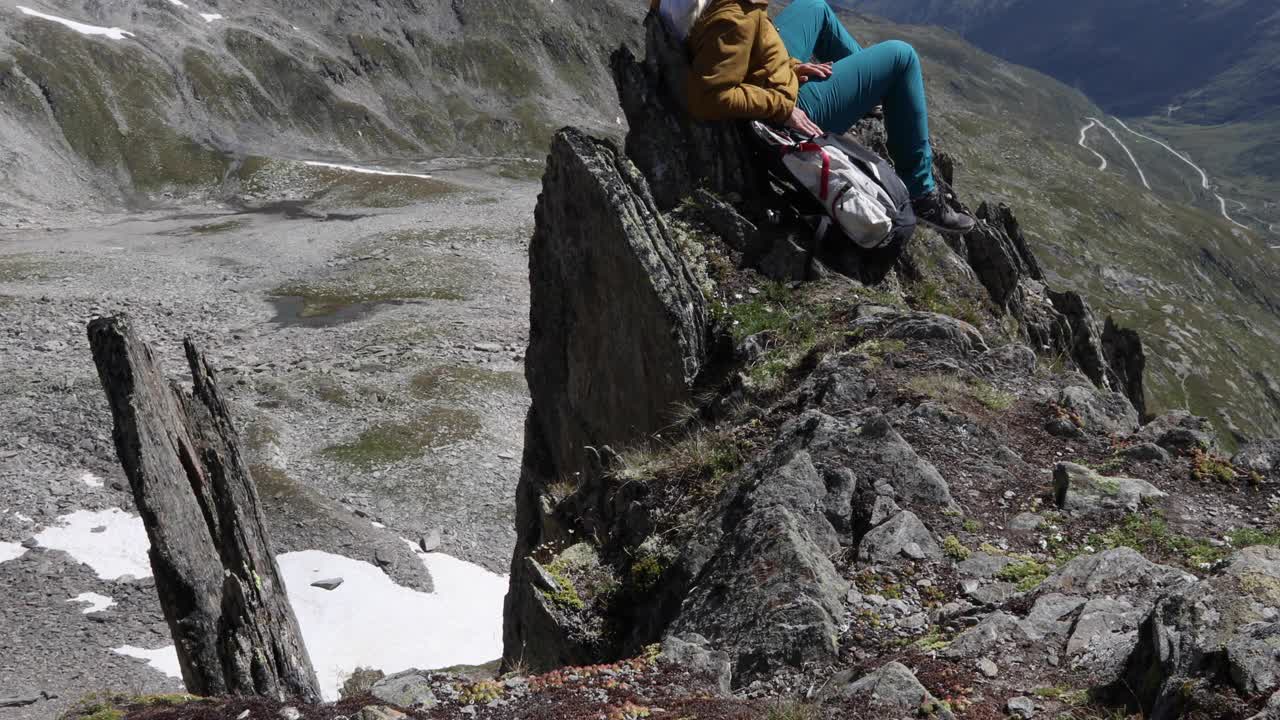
(732,471)
(373,356)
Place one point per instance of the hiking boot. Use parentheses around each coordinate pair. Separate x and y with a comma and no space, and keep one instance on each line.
(932,210)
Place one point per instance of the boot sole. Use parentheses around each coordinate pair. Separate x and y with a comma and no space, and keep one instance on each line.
(943,228)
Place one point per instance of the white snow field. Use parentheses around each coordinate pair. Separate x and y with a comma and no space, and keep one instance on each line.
(164,659)
(96,603)
(362,170)
(82,28)
(11,551)
(112,542)
(368,621)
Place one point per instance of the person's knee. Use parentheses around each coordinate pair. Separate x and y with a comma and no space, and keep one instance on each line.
(903,53)
(820,7)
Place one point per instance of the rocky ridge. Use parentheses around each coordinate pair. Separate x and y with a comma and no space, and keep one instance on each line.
(931,493)
(858,475)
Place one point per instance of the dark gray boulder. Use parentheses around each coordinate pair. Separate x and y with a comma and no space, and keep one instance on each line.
(910,325)
(763,588)
(1147,452)
(1078,489)
(1262,457)
(1088,611)
(1122,571)
(881,453)
(1180,431)
(408,689)
(695,654)
(892,689)
(1223,630)
(903,535)
(1104,412)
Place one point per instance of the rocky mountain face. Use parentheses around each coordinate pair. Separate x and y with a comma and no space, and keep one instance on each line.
(767,476)
(183,105)
(899,501)
(182,93)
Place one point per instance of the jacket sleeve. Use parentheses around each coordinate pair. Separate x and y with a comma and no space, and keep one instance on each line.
(716,88)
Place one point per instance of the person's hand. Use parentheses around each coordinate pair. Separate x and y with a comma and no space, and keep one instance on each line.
(809,71)
(800,122)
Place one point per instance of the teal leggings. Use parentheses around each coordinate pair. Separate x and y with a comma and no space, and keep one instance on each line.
(887,73)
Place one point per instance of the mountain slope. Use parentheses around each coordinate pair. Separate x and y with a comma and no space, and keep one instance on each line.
(186,88)
(1201,291)
(1203,74)
(1215,58)
(183,100)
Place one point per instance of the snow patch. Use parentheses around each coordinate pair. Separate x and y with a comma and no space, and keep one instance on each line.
(23,518)
(364,171)
(11,551)
(177,3)
(97,603)
(91,480)
(83,29)
(210,17)
(164,659)
(118,549)
(370,621)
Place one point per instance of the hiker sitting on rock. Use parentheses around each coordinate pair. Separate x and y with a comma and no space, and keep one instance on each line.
(746,67)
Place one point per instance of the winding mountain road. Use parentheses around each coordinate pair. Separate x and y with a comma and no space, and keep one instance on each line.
(1204,176)
(1083,136)
(1142,175)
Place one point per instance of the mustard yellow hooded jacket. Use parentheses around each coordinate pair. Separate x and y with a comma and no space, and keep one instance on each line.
(739,68)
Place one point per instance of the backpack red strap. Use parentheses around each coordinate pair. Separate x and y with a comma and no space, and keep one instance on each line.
(826,162)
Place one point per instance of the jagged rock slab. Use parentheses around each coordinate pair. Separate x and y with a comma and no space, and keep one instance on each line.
(765,590)
(1223,629)
(618,334)
(219,584)
(618,324)
(676,153)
